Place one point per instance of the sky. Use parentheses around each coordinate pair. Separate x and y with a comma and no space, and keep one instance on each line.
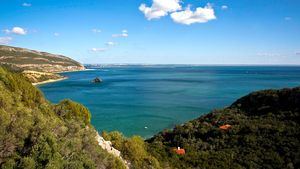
(156,31)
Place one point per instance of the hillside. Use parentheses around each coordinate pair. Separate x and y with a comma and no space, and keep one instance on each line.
(37,134)
(25,59)
(262,132)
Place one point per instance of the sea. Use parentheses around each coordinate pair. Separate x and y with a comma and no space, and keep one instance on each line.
(146,99)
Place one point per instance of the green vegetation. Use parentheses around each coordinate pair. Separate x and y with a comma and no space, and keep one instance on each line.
(133,149)
(264,133)
(37,134)
(36,77)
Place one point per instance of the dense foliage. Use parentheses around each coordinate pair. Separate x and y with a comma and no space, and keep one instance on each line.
(264,133)
(133,149)
(36,77)
(37,134)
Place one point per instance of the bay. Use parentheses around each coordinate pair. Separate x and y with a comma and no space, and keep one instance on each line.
(143,100)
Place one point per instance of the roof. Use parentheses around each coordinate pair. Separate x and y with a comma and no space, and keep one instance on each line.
(180,151)
(225,127)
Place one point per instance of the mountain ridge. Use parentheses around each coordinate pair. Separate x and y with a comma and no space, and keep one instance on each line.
(27,59)
(39,67)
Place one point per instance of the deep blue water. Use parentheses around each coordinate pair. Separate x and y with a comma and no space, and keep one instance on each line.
(144,100)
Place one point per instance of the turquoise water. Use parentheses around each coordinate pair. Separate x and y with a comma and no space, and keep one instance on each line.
(145,100)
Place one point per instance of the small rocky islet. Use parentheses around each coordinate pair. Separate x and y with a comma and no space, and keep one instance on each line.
(97,80)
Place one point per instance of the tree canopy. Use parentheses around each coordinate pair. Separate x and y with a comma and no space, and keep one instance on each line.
(37,134)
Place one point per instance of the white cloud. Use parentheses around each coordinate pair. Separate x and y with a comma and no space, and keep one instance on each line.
(56,34)
(5,40)
(96,30)
(16,30)
(98,49)
(160,8)
(124,34)
(26,4)
(200,15)
(110,43)
(19,31)
(224,7)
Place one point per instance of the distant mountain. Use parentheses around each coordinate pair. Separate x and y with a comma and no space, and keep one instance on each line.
(25,59)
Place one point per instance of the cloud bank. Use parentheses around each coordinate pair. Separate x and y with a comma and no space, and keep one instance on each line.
(200,15)
(160,8)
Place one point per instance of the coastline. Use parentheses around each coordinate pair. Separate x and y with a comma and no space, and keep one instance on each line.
(56,80)
(49,81)
(73,71)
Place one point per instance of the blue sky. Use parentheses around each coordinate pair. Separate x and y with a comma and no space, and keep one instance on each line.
(158,32)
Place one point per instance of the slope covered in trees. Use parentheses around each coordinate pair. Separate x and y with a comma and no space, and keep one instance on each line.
(260,130)
(36,134)
(263,133)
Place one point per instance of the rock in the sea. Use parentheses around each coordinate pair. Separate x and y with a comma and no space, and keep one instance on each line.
(97,80)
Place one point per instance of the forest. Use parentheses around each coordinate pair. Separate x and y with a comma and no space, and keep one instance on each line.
(37,134)
(260,130)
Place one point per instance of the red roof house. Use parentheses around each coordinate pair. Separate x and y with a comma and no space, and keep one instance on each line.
(180,151)
(225,127)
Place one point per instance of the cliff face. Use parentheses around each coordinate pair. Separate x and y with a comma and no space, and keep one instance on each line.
(25,59)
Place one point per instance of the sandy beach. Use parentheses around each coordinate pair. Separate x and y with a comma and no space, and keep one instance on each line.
(49,81)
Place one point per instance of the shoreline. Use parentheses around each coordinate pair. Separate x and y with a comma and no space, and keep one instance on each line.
(56,80)
(49,81)
(72,71)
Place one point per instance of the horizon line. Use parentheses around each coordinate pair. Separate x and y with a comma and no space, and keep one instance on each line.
(183,64)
